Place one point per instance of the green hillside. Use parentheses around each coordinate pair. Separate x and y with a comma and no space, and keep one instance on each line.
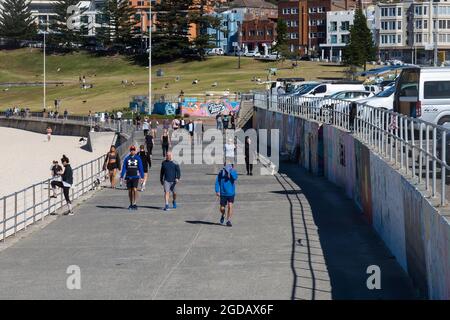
(106,75)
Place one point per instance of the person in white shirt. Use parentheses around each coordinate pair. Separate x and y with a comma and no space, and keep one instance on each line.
(230,149)
(146,127)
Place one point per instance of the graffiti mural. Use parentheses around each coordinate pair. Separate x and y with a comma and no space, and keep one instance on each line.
(196,108)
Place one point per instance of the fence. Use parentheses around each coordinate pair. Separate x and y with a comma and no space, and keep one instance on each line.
(96,123)
(32,204)
(416,147)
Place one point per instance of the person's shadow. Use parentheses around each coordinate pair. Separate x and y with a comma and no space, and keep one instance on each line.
(207,223)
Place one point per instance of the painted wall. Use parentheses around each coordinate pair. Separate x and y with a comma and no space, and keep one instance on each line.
(413,230)
(210,108)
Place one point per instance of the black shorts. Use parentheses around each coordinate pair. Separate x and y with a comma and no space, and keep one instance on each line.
(132,183)
(112,166)
(225,200)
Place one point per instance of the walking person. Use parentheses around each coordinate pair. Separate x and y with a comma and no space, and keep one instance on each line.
(169,177)
(249,156)
(230,151)
(49,134)
(191,128)
(175,124)
(226,190)
(233,120)
(219,121)
(165,142)
(65,184)
(199,131)
(112,164)
(225,121)
(133,173)
(182,123)
(145,127)
(149,141)
(146,163)
(154,126)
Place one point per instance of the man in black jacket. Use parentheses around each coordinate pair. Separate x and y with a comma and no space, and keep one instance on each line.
(65,184)
(169,177)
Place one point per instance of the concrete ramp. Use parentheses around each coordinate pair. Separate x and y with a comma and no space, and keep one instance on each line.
(100,141)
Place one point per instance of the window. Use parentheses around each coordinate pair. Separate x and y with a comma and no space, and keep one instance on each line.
(436,90)
(294,11)
(399,25)
(286,11)
(321,89)
(425,24)
(399,38)
(260,33)
(399,12)
(418,24)
(345,38)
(418,38)
(333,39)
(333,26)
(294,35)
(345,25)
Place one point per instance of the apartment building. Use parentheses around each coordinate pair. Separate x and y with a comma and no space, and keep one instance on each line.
(307,22)
(258,34)
(295,14)
(410,30)
(338,32)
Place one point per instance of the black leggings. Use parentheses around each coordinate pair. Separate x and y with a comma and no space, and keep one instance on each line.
(165,148)
(65,190)
(248,165)
(150,149)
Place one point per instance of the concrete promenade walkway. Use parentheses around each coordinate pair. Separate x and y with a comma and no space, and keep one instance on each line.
(295,236)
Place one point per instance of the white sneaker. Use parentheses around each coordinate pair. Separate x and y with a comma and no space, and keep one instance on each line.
(71,213)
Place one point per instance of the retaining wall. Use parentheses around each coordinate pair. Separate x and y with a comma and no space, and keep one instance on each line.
(40,126)
(415,232)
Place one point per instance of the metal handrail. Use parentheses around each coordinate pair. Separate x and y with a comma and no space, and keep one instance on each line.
(31,204)
(417,147)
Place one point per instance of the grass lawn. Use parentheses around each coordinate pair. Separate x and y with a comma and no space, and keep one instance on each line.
(107,73)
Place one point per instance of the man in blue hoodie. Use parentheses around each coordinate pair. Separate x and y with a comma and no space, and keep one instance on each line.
(226,190)
(133,172)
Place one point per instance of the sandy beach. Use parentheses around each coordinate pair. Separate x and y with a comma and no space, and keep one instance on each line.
(26,156)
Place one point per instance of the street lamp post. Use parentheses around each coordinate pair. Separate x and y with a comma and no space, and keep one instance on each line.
(45,76)
(150,25)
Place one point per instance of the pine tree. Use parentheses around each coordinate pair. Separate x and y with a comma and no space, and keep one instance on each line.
(203,21)
(16,22)
(66,27)
(361,47)
(171,38)
(282,39)
(117,27)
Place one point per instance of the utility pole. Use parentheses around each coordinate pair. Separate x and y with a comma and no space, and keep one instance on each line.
(240,44)
(150,25)
(45,72)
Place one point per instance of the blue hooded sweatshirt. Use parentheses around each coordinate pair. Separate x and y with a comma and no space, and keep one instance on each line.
(225,182)
(132,168)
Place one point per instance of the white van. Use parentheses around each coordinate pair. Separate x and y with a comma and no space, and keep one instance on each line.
(327,89)
(424,93)
(216,52)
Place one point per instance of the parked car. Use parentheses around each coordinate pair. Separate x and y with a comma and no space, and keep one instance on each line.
(327,89)
(215,52)
(252,54)
(339,100)
(383,100)
(424,93)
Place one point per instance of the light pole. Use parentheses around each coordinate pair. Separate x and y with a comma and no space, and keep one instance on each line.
(45,76)
(150,25)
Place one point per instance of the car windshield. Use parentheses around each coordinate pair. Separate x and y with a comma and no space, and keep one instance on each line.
(306,88)
(387,93)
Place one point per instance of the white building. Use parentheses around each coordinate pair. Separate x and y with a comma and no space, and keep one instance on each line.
(410,30)
(338,32)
